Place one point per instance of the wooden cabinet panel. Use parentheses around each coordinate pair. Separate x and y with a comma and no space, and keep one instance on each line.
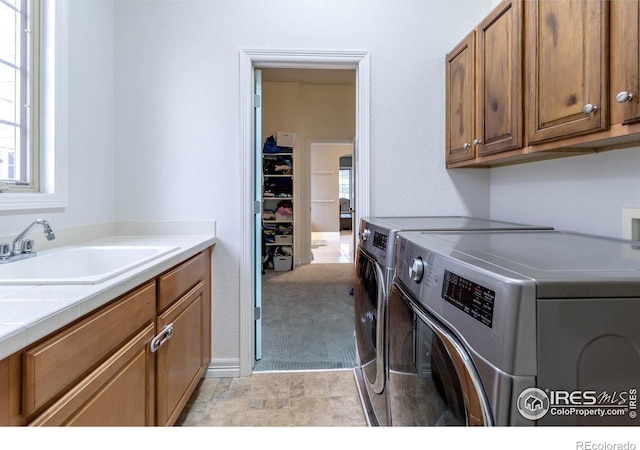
(500,80)
(484,78)
(567,67)
(181,360)
(175,283)
(55,364)
(460,101)
(628,54)
(6,390)
(118,393)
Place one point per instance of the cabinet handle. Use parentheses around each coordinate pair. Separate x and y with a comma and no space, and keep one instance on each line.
(477,142)
(589,109)
(624,96)
(466,145)
(161,338)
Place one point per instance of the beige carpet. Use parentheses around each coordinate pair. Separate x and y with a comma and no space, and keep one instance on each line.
(308,318)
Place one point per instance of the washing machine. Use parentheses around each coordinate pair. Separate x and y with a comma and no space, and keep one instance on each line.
(514,328)
(374,271)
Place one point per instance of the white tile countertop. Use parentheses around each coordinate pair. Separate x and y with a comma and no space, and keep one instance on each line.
(30,312)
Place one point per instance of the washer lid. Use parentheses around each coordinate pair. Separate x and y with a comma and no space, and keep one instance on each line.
(447,223)
(562,264)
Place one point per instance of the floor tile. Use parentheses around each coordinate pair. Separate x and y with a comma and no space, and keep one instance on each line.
(278,399)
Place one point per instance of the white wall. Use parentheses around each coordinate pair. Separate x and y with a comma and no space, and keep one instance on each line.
(91,125)
(177,111)
(582,193)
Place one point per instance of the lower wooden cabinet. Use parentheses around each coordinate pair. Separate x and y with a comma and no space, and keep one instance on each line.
(118,393)
(181,359)
(133,362)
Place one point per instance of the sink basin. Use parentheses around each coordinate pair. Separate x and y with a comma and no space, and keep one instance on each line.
(80,265)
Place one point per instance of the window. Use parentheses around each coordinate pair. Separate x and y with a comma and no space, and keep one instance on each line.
(33,104)
(345,183)
(19,94)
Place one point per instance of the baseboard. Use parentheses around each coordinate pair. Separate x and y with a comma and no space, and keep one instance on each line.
(223,368)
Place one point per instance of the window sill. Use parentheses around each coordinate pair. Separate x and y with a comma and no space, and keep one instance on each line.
(24,202)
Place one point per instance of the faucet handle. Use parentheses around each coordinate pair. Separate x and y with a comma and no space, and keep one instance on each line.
(5,251)
(26,246)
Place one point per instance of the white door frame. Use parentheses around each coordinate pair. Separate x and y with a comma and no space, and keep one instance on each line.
(294,59)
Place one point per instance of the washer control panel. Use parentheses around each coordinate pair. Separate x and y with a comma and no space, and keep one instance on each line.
(471,298)
(380,240)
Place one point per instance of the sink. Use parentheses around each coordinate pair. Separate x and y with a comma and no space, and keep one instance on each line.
(80,265)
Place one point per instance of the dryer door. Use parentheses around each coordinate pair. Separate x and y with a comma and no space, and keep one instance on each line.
(369,297)
(432,380)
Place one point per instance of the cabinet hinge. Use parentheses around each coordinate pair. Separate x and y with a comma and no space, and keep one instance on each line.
(256,313)
(256,207)
(256,101)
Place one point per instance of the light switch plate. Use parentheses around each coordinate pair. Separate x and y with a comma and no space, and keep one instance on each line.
(631,223)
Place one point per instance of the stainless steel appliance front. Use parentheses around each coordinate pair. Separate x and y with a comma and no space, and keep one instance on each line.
(548,320)
(375,267)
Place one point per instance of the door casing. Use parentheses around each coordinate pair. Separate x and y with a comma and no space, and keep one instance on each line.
(294,59)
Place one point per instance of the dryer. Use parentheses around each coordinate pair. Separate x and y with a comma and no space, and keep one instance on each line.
(526,328)
(374,272)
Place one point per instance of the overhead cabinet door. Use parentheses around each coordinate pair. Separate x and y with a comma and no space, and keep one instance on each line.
(461,105)
(567,68)
(499,80)
(629,97)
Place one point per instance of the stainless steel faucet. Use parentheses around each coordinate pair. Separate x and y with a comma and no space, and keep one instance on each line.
(21,247)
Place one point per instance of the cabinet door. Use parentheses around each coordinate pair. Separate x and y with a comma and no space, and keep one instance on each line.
(118,393)
(500,80)
(52,366)
(630,53)
(181,360)
(460,106)
(567,68)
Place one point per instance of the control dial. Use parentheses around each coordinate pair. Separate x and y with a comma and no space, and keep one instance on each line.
(416,270)
(365,234)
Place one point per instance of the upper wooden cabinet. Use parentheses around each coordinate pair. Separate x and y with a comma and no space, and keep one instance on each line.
(460,100)
(564,74)
(500,80)
(567,68)
(484,84)
(626,89)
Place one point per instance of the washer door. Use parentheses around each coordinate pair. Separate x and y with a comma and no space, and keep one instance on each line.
(369,297)
(432,380)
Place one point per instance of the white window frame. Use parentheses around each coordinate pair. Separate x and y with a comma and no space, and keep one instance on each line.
(53,116)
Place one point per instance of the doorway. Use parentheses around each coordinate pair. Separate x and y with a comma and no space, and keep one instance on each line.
(332,202)
(306,318)
(249,61)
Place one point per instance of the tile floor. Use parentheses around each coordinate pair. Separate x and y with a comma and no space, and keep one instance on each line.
(338,248)
(283,399)
(276,399)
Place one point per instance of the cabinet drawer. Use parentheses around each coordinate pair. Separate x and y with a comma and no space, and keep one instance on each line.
(57,363)
(118,393)
(179,280)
